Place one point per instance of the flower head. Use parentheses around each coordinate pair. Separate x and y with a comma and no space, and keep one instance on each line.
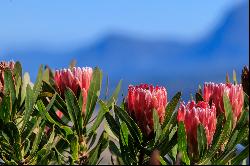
(74,79)
(142,100)
(194,114)
(3,66)
(214,93)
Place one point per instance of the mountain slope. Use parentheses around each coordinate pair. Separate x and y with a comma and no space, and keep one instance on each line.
(176,65)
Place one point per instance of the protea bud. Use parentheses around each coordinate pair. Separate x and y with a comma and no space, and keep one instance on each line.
(74,79)
(142,100)
(3,66)
(214,93)
(245,79)
(194,114)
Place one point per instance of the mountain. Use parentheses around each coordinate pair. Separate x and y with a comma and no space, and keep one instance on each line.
(174,64)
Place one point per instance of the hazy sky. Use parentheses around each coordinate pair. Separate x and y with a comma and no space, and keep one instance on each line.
(59,22)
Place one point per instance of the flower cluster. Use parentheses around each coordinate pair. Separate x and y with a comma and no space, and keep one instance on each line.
(214,93)
(194,114)
(140,102)
(74,79)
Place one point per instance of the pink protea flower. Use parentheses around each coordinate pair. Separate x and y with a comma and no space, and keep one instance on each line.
(194,114)
(140,102)
(74,79)
(3,66)
(214,92)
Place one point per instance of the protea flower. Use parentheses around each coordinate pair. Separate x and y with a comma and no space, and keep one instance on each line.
(140,102)
(214,93)
(74,79)
(194,114)
(245,79)
(3,66)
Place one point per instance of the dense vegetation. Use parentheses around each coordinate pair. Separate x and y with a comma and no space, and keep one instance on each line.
(52,120)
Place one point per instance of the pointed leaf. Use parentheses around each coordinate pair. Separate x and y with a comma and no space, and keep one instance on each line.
(170,108)
(100,116)
(202,140)
(240,157)
(198,97)
(124,132)
(182,143)
(115,94)
(74,146)
(157,125)
(133,128)
(9,87)
(5,109)
(93,94)
(74,111)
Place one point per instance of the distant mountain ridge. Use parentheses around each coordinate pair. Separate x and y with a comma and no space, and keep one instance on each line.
(174,64)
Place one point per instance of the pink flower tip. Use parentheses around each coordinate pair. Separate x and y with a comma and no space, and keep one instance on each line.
(142,100)
(74,79)
(194,114)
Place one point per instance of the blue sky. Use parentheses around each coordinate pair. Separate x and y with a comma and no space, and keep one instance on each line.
(65,22)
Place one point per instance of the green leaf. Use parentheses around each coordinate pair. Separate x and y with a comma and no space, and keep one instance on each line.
(219,138)
(162,161)
(232,142)
(5,109)
(243,134)
(133,128)
(61,105)
(44,112)
(38,84)
(165,146)
(32,97)
(198,97)
(26,81)
(9,87)
(100,147)
(227,105)
(18,77)
(29,102)
(14,139)
(74,111)
(243,155)
(170,108)
(37,139)
(243,119)
(93,94)
(114,149)
(182,143)
(226,158)
(115,94)
(202,139)
(30,127)
(46,75)
(157,125)
(100,116)
(74,146)
(115,128)
(124,132)
(27,146)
